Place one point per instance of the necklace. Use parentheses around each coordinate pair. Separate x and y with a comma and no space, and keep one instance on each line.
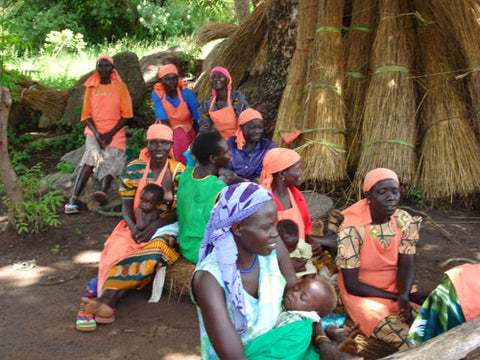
(251,267)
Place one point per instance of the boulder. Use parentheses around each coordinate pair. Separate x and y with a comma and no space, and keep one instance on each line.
(73,157)
(128,67)
(319,205)
(149,65)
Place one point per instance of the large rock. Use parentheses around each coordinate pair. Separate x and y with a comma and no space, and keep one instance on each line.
(319,205)
(128,67)
(73,157)
(149,65)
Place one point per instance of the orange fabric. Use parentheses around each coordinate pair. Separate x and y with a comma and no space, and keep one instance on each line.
(94,80)
(179,116)
(358,214)
(160,90)
(466,281)
(276,160)
(293,214)
(377,175)
(225,119)
(167,69)
(106,105)
(378,267)
(246,116)
(106,57)
(291,136)
(143,182)
(159,131)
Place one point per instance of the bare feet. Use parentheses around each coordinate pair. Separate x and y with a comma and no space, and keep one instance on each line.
(349,345)
(329,351)
(97,307)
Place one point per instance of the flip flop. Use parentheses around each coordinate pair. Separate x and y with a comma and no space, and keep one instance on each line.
(71,209)
(101,197)
(85,322)
(104,320)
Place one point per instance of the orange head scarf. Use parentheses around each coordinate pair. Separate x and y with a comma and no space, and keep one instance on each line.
(246,116)
(94,80)
(276,160)
(165,70)
(156,131)
(359,213)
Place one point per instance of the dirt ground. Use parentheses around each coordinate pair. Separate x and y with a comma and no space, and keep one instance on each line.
(39,305)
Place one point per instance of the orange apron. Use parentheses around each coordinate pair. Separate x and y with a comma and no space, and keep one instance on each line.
(179,116)
(293,214)
(466,281)
(106,113)
(225,120)
(143,182)
(378,267)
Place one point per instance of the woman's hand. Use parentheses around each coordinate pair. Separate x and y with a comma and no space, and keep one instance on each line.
(107,138)
(405,308)
(298,264)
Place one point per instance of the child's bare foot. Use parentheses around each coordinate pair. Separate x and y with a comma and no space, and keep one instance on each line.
(97,307)
(349,345)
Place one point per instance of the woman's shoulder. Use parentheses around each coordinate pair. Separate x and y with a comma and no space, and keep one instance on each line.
(135,165)
(404,220)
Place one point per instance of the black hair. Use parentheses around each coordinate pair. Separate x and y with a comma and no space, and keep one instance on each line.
(156,190)
(206,145)
(288,227)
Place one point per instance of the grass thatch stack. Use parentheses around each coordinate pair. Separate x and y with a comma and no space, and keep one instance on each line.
(462,20)
(323,149)
(50,102)
(358,43)
(389,126)
(215,30)
(450,157)
(240,50)
(291,106)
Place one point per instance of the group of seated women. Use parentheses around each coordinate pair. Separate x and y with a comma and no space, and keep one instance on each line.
(245,286)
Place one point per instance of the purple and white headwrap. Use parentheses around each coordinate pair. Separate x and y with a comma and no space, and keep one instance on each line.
(235,203)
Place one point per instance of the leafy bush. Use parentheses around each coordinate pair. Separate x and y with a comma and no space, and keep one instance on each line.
(66,40)
(135,142)
(38,211)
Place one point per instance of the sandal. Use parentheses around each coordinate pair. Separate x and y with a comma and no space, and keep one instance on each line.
(71,209)
(105,320)
(101,197)
(85,322)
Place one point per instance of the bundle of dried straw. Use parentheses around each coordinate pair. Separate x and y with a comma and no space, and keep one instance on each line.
(290,111)
(462,19)
(50,102)
(240,49)
(389,126)
(358,43)
(450,155)
(323,148)
(215,30)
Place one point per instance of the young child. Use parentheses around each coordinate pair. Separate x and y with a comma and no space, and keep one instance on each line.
(316,299)
(300,251)
(147,211)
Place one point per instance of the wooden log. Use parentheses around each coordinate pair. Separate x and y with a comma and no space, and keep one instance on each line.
(455,344)
(7,174)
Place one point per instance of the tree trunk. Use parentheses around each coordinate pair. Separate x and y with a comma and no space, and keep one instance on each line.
(455,344)
(242,8)
(7,174)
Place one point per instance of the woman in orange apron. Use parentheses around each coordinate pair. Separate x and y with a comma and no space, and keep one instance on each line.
(175,105)
(106,108)
(376,246)
(223,109)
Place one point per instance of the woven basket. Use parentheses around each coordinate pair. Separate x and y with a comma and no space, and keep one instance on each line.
(178,277)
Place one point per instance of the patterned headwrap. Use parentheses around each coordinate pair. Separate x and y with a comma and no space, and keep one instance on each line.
(246,116)
(224,72)
(359,213)
(94,80)
(165,70)
(276,160)
(235,203)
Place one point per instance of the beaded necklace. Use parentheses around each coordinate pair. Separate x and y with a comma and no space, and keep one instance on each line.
(251,267)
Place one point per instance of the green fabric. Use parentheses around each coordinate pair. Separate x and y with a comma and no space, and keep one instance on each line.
(195,200)
(289,342)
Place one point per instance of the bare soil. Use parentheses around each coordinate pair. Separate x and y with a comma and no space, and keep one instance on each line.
(39,305)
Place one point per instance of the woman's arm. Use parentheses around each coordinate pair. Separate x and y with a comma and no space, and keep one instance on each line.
(285,264)
(129,217)
(220,329)
(355,287)
(405,277)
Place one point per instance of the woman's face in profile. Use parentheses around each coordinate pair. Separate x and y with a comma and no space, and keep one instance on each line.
(384,197)
(258,232)
(293,175)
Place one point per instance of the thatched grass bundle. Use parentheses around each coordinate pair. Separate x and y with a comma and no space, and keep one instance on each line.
(50,102)
(323,148)
(358,42)
(389,126)
(178,277)
(291,107)
(240,49)
(215,30)
(450,156)
(462,19)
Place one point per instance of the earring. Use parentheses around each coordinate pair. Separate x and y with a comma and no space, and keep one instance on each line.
(282,178)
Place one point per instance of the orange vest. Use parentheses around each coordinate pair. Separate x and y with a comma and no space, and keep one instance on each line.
(225,120)
(466,281)
(293,214)
(179,116)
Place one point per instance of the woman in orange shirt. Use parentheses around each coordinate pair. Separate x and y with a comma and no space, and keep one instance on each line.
(106,108)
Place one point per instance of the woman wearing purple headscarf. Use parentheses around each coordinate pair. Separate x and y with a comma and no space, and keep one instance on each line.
(223,108)
(239,281)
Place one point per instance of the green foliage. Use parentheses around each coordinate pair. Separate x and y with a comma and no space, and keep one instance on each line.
(66,41)
(38,211)
(65,168)
(415,197)
(135,142)
(55,249)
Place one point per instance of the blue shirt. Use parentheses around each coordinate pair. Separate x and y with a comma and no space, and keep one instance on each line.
(188,96)
(248,164)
